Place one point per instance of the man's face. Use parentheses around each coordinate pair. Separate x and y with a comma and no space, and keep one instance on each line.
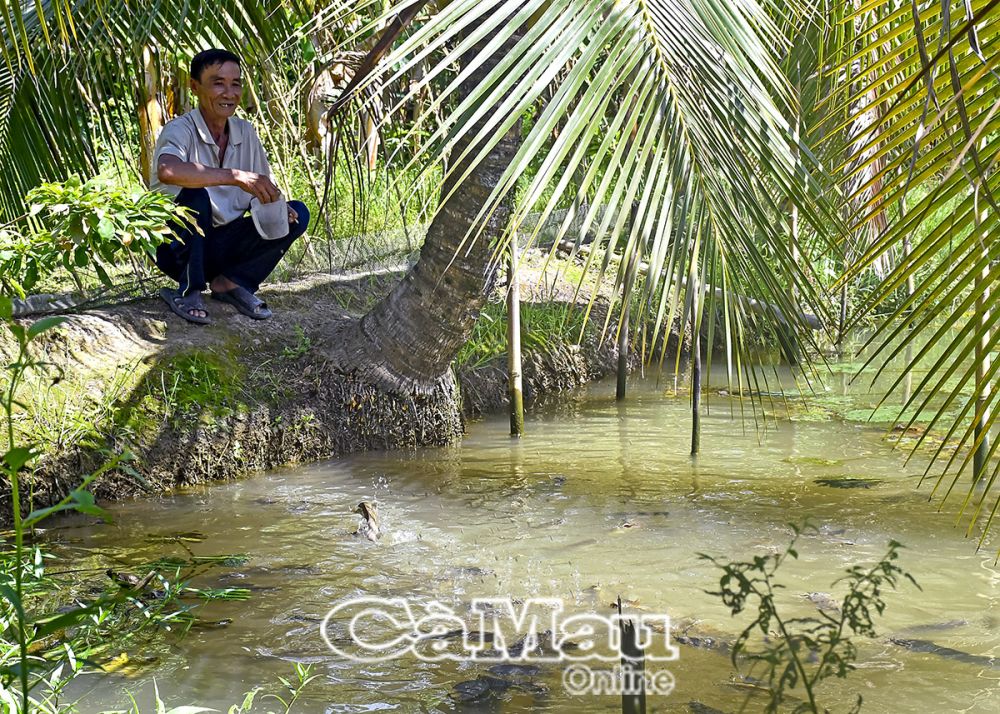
(219,90)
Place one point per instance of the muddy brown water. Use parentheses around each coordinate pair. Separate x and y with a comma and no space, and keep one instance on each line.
(597,500)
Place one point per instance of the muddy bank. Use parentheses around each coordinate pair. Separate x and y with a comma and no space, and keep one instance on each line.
(195,404)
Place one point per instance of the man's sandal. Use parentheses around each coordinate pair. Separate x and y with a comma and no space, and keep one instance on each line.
(186,306)
(244,301)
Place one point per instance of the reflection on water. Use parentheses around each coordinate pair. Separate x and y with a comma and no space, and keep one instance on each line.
(598,500)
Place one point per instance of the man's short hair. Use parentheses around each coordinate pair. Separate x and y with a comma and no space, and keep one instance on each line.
(207,58)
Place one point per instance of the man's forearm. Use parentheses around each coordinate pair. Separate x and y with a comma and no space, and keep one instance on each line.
(188,174)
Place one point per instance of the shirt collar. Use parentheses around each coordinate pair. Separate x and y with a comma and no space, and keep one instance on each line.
(235,130)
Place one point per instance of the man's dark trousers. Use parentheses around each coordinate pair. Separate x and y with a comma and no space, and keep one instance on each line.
(235,249)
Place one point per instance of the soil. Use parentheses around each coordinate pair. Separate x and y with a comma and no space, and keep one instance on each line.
(194,404)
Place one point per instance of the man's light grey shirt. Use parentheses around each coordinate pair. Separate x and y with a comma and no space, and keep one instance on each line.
(187,137)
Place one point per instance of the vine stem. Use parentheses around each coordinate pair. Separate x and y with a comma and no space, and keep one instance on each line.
(791,649)
(15,496)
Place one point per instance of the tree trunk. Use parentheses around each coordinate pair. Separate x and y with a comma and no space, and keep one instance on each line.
(407,342)
(150,117)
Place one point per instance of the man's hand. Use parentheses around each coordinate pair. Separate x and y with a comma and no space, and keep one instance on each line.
(293,217)
(257,185)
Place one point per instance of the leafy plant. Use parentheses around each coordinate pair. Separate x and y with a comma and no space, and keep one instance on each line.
(803,651)
(78,225)
(302,345)
(45,642)
(294,689)
(20,572)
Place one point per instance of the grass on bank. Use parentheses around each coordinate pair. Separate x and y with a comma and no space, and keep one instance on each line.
(542,327)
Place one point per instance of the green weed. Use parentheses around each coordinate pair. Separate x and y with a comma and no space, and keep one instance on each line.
(300,347)
(803,651)
(48,633)
(543,325)
(67,413)
(199,381)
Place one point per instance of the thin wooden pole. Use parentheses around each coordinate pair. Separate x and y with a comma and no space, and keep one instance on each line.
(799,170)
(842,317)
(514,345)
(623,353)
(695,359)
(623,333)
(791,349)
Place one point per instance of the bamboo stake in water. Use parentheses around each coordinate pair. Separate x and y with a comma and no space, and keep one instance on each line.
(695,360)
(514,346)
(792,350)
(623,344)
(623,352)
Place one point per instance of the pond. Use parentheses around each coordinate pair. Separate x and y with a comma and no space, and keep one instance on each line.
(598,500)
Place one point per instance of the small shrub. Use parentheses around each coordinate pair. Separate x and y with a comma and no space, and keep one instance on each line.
(803,651)
(76,226)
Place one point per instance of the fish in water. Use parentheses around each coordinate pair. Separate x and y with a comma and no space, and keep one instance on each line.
(479,688)
(627,524)
(847,482)
(627,602)
(703,642)
(129,581)
(200,624)
(946,652)
(516,671)
(824,602)
(935,627)
(127,666)
(369,527)
(692,634)
(471,571)
(509,676)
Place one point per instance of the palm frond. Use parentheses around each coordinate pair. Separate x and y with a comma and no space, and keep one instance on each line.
(665,122)
(939,110)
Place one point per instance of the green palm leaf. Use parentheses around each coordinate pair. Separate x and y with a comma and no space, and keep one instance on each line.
(940,106)
(666,122)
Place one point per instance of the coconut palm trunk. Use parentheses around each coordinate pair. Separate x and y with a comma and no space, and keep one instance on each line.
(407,342)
